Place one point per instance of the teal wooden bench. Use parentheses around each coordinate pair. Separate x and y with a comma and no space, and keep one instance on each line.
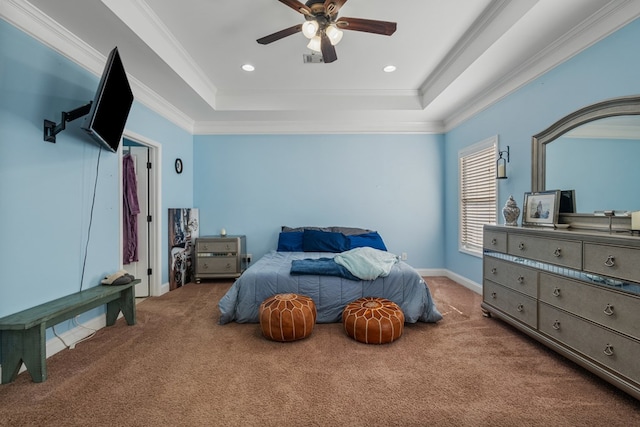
(24,333)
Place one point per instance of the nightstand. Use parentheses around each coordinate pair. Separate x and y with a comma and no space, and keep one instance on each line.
(218,257)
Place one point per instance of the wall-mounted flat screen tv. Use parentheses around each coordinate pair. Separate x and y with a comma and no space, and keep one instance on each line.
(111,105)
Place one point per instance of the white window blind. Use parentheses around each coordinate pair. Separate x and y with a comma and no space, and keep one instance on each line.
(478,193)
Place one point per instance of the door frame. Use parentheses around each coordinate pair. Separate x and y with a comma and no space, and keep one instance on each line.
(155,204)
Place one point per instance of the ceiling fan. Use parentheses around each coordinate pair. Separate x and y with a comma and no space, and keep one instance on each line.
(323,27)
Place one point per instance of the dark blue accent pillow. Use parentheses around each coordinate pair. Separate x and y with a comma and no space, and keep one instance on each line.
(323,241)
(372,240)
(290,242)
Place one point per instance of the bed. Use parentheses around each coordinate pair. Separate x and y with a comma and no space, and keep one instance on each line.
(272,274)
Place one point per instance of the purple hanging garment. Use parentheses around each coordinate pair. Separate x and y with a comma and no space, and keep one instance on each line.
(130,210)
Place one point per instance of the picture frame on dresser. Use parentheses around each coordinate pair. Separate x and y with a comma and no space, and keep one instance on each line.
(541,208)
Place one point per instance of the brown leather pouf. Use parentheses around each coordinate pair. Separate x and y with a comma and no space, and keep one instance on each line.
(287,317)
(373,320)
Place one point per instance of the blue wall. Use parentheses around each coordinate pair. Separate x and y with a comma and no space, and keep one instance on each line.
(606,70)
(47,189)
(253,185)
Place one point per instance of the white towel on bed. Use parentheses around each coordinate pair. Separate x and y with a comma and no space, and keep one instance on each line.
(367,263)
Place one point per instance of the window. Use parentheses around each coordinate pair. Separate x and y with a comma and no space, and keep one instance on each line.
(478,193)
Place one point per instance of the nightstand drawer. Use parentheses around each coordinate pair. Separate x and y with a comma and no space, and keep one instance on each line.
(613,261)
(216,265)
(566,253)
(217,245)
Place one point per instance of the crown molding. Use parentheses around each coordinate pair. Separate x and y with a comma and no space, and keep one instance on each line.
(41,27)
(612,17)
(143,21)
(280,127)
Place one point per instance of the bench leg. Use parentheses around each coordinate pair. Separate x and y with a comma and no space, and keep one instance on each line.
(26,346)
(126,303)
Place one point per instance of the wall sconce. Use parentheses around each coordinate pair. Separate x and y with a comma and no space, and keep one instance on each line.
(501,164)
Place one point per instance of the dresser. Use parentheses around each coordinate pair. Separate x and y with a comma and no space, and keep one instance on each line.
(218,257)
(578,292)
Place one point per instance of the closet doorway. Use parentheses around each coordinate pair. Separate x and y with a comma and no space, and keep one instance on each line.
(145,157)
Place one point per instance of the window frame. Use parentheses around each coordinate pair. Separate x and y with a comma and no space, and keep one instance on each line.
(487,148)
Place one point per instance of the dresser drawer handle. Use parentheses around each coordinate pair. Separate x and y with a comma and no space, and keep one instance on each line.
(608,350)
(608,310)
(494,241)
(494,270)
(521,246)
(610,262)
(557,253)
(556,325)
(494,295)
(520,279)
(556,292)
(520,307)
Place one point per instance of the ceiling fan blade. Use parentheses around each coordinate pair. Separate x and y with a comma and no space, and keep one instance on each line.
(332,7)
(328,50)
(367,25)
(297,6)
(280,34)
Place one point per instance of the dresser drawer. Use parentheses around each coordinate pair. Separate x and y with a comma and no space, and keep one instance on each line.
(515,304)
(495,240)
(217,245)
(511,275)
(610,349)
(609,308)
(614,261)
(566,253)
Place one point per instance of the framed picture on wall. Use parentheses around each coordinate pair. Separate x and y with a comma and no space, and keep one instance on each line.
(541,208)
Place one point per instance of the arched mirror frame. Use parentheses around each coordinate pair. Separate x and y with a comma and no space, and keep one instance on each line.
(624,106)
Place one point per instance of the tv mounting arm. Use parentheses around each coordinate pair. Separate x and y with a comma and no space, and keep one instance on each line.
(51,129)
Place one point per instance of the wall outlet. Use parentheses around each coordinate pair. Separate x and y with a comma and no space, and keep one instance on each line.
(403,257)
(248,257)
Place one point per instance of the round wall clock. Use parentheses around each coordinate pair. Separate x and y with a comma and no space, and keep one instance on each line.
(178,165)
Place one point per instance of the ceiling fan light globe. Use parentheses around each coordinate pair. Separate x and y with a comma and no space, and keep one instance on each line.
(310,28)
(315,44)
(334,34)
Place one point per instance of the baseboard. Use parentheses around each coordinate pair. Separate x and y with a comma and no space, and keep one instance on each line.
(469,284)
(164,288)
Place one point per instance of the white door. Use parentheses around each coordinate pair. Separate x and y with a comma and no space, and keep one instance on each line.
(140,269)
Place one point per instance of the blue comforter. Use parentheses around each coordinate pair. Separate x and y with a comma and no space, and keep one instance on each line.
(271,275)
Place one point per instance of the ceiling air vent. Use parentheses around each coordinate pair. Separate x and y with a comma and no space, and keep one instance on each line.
(312,58)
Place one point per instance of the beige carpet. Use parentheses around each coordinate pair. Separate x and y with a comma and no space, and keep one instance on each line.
(178,367)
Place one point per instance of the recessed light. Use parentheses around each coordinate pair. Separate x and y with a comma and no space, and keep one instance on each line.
(389,69)
(248,67)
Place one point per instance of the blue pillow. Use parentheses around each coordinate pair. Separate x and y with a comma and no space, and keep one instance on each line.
(290,242)
(323,241)
(372,240)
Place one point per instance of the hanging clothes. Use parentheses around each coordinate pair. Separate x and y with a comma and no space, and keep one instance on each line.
(130,210)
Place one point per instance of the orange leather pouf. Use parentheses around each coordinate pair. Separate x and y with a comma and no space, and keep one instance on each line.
(287,317)
(373,320)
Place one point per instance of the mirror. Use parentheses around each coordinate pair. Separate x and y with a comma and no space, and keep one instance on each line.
(593,151)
